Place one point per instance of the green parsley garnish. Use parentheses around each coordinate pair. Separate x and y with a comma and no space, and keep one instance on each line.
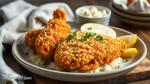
(99,37)
(126,59)
(118,66)
(70,37)
(90,28)
(84,38)
(88,34)
(102,69)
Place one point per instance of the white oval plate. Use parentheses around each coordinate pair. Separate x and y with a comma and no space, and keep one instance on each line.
(19,54)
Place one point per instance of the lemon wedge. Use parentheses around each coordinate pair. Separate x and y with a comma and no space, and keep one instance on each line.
(129,39)
(130,52)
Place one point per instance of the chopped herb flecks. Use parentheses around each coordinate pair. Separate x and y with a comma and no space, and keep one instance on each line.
(70,37)
(99,37)
(84,38)
(126,59)
(89,34)
(90,28)
(102,69)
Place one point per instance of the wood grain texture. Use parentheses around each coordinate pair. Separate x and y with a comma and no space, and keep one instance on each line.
(141,82)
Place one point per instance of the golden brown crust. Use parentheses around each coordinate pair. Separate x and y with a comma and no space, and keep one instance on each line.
(45,41)
(60,14)
(84,56)
(30,38)
(55,32)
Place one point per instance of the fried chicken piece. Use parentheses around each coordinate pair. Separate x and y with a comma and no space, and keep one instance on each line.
(30,38)
(54,33)
(87,55)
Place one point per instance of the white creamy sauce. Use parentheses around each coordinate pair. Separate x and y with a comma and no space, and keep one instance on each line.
(93,12)
(98,29)
(116,64)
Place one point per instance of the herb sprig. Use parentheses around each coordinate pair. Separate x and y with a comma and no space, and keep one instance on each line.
(99,37)
(84,38)
(87,35)
(90,28)
(70,37)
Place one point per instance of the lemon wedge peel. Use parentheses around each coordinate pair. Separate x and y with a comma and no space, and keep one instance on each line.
(130,52)
(130,40)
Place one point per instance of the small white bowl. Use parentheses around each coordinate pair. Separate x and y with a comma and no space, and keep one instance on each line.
(102,20)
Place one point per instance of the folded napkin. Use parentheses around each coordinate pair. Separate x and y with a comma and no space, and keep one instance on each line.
(19,16)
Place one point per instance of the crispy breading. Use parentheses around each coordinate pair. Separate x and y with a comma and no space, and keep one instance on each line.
(45,41)
(55,32)
(30,38)
(60,14)
(88,55)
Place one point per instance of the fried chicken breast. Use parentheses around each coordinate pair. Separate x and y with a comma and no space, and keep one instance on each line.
(83,51)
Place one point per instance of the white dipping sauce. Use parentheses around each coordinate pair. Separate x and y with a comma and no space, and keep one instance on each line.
(93,12)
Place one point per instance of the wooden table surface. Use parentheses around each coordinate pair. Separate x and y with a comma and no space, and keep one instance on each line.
(142,32)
